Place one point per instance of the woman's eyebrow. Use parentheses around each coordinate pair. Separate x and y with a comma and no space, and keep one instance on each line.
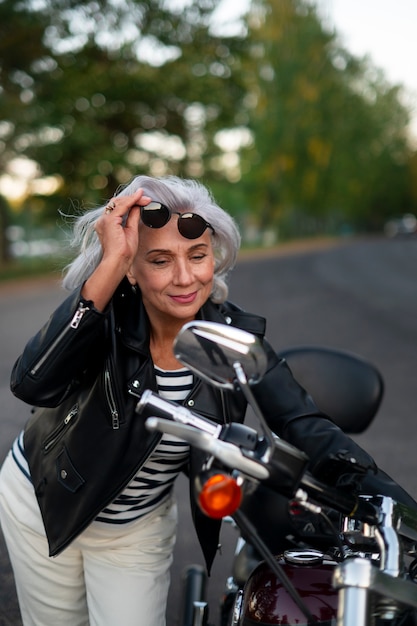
(168,251)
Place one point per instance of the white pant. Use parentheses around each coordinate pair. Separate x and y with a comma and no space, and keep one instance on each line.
(109,576)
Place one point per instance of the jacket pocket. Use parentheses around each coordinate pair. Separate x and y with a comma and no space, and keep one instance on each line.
(56,435)
(67,475)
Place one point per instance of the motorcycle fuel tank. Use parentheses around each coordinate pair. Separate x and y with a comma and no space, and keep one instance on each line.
(266,601)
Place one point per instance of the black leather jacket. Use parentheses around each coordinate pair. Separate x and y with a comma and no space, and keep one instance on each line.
(85,370)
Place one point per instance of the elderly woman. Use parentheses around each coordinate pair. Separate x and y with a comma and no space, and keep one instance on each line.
(85,482)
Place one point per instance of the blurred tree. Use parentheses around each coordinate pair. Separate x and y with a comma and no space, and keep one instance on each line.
(4,223)
(330,144)
(96,91)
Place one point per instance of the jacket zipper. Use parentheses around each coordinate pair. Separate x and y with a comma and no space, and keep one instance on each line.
(75,322)
(111,400)
(57,433)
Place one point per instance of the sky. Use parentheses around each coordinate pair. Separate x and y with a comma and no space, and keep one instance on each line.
(386,31)
(383,29)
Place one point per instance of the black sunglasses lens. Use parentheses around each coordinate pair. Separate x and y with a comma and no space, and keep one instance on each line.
(191,225)
(155,215)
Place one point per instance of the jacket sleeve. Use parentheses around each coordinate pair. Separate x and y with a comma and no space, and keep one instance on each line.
(293,415)
(60,354)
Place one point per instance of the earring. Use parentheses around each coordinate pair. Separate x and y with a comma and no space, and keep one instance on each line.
(134,289)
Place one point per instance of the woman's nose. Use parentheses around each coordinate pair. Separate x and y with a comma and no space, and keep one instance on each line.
(183,273)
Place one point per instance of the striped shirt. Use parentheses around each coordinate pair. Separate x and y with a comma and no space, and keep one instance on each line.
(154,481)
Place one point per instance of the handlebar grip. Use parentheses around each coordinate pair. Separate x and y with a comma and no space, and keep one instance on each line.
(346,503)
(227,453)
(150,404)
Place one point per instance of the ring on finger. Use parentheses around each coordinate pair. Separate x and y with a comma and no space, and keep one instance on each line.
(110,207)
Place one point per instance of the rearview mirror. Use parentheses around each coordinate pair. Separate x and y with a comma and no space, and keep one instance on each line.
(211,350)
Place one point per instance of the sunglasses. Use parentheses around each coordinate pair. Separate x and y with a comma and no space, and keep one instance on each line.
(190,225)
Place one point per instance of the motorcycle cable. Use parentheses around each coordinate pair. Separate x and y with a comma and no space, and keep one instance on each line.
(249,530)
(297,505)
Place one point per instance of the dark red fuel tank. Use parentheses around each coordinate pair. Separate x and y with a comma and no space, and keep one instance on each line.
(266,601)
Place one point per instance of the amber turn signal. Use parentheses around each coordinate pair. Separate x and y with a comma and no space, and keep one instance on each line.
(220,496)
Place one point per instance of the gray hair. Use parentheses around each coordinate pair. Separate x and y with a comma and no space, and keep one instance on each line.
(179,195)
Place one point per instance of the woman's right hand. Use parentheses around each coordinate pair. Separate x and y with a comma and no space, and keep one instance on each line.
(118,231)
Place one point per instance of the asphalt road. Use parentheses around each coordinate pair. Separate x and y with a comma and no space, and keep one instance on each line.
(360,296)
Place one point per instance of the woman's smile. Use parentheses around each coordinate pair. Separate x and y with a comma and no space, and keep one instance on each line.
(185,298)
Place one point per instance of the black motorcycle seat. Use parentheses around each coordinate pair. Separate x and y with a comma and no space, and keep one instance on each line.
(345,386)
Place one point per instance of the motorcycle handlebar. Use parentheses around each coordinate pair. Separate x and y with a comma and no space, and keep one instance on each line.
(172,411)
(226,452)
(346,503)
(283,473)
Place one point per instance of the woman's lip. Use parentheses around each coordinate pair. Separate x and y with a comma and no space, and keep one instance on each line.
(185,298)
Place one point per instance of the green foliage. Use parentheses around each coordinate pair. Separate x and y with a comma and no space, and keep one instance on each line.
(329,133)
(100,91)
(30,268)
(97,91)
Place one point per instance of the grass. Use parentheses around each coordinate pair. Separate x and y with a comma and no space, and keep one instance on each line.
(30,268)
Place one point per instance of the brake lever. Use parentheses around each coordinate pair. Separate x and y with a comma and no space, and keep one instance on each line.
(150,402)
(227,453)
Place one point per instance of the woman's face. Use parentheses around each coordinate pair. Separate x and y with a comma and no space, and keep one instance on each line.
(175,274)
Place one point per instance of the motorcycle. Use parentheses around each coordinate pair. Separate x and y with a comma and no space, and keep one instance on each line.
(352,561)
(350,389)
